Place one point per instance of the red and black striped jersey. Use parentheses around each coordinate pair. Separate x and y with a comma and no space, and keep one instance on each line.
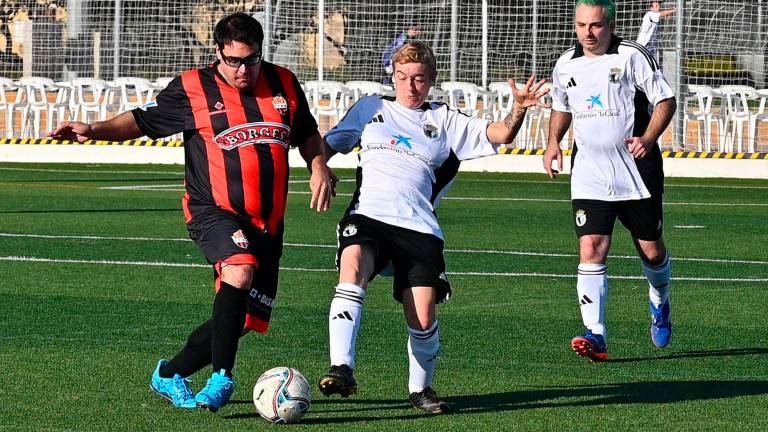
(235,143)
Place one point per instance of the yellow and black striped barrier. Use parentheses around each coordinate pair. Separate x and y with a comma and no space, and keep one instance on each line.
(129,143)
(507,151)
(666,154)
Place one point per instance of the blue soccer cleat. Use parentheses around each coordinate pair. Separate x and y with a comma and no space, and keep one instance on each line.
(661,326)
(216,392)
(175,390)
(591,346)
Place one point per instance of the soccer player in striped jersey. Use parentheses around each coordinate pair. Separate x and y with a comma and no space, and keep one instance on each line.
(239,117)
(410,151)
(619,102)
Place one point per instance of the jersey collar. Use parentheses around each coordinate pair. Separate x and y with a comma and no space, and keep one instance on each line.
(613,48)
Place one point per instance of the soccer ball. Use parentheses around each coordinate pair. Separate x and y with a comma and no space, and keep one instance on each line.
(282,395)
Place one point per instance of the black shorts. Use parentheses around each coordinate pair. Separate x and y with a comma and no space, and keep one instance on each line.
(227,238)
(417,258)
(643,218)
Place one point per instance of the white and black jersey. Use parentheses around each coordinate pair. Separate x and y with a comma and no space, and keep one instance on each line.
(610,98)
(408,157)
(648,34)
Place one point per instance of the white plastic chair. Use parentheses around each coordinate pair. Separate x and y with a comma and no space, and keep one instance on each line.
(91,97)
(6,105)
(504,103)
(132,92)
(541,117)
(327,98)
(434,95)
(60,109)
(465,96)
(704,116)
(503,99)
(759,116)
(33,101)
(358,89)
(736,102)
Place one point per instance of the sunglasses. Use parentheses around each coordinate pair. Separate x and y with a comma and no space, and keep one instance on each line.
(236,62)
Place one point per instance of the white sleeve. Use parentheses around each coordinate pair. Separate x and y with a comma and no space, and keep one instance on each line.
(345,136)
(643,35)
(646,28)
(648,77)
(466,135)
(559,96)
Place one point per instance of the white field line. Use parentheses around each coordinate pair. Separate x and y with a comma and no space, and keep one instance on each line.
(310,245)
(567,200)
(306,180)
(565,183)
(300,269)
(181,173)
(448,198)
(176,187)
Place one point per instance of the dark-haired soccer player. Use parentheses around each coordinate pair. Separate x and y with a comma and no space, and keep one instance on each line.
(239,117)
(620,103)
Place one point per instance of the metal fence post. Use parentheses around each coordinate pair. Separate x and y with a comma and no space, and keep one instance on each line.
(678,141)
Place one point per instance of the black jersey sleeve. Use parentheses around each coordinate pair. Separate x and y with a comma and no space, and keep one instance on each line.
(168,114)
(304,125)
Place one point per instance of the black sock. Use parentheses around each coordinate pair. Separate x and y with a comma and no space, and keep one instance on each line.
(228,321)
(195,355)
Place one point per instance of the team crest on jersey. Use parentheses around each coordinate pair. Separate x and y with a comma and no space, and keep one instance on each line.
(614,75)
(280,104)
(218,105)
(431,131)
(253,133)
(581,217)
(240,239)
(349,230)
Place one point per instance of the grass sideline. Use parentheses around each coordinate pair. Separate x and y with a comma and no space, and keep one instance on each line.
(79,339)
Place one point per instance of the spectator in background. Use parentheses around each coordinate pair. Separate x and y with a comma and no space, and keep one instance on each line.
(649,30)
(410,33)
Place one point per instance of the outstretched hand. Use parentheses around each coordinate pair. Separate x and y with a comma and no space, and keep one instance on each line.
(530,94)
(73,131)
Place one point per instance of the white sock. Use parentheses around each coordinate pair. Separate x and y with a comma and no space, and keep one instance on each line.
(659,279)
(423,347)
(592,288)
(344,323)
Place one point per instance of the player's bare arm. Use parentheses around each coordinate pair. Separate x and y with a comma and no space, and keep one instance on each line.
(660,118)
(559,122)
(668,12)
(120,128)
(504,131)
(320,181)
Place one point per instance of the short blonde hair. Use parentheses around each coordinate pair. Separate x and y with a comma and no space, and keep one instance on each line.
(417,52)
